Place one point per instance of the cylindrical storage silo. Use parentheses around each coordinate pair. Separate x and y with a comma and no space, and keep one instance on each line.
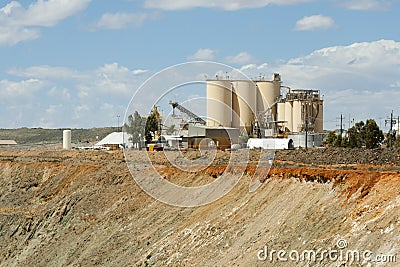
(280,116)
(219,103)
(67,139)
(267,94)
(296,115)
(280,110)
(243,104)
(319,121)
(288,115)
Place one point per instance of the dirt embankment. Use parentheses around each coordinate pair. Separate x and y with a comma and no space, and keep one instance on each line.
(82,208)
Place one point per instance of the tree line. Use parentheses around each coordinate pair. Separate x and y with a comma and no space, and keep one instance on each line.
(363,134)
(360,135)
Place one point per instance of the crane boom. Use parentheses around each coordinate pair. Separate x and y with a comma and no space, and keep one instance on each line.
(196,118)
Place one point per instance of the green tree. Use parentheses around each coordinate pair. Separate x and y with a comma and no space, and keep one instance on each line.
(345,142)
(372,134)
(151,125)
(331,138)
(391,139)
(135,127)
(360,134)
(338,141)
(334,140)
(396,142)
(355,135)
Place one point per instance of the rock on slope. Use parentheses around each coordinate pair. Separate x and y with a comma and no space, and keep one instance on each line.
(82,208)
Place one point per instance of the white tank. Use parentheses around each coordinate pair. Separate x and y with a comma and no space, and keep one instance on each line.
(319,122)
(288,115)
(296,115)
(219,103)
(67,139)
(243,104)
(281,111)
(267,94)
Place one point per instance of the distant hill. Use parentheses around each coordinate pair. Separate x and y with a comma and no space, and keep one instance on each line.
(52,136)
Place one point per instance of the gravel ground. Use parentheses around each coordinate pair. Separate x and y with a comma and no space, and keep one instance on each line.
(331,156)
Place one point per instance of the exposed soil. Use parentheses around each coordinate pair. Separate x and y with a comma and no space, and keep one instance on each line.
(83,208)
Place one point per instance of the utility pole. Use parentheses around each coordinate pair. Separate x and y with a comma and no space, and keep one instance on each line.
(391,127)
(341,125)
(391,122)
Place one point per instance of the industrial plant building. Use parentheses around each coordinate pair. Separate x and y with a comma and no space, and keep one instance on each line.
(241,110)
(223,137)
(266,109)
(248,104)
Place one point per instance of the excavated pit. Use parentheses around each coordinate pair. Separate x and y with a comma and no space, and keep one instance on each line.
(83,208)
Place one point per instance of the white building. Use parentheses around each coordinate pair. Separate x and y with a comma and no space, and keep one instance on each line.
(121,139)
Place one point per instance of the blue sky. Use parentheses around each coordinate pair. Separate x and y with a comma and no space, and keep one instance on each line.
(77,63)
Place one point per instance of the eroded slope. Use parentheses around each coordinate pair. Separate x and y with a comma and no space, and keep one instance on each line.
(79,208)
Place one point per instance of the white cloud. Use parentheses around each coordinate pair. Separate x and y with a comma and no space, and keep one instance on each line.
(83,91)
(139,71)
(52,109)
(113,69)
(222,4)
(20,89)
(360,79)
(359,65)
(47,72)
(63,73)
(240,59)
(64,97)
(263,66)
(49,13)
(10,8)
(11,35)
(107,106)
(248,67)
(357,55)
(316,22)
(117,78)
(62,93)
(366,4)
(242,4)
(203,54)
(115,21)
(21,24)
(80,110)
(395,84)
